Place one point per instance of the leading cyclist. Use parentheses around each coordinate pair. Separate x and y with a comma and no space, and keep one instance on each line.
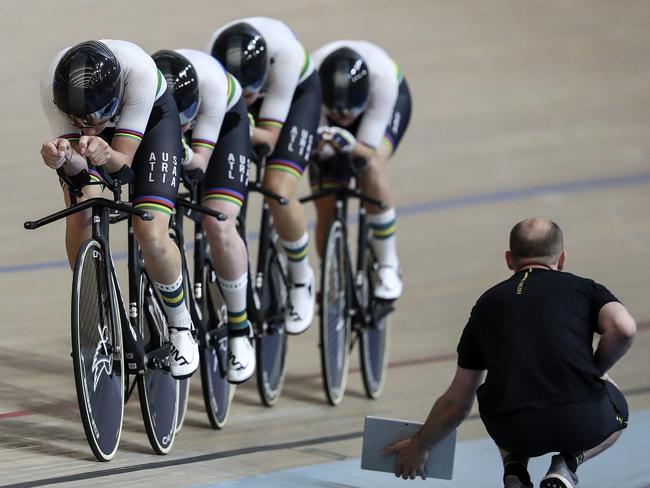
(106,102)
(214,119)
(367,107)
(282,90)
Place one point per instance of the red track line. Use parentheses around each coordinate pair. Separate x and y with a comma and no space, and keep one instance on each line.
(17,413)
(643,326)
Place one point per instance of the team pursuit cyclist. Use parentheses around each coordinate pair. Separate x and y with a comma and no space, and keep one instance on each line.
(214,119)
(106,101)
(282,91)
(367,107)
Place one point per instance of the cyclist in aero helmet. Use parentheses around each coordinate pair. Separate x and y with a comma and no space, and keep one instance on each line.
(367,107)
(282,91)
(214,121)
(106,102)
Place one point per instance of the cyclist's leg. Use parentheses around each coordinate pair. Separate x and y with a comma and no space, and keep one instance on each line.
(157,175)
(285,168)
(283,173)
(225,190)
(375,183)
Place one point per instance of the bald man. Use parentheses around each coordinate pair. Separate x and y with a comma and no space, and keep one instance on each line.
(546,389)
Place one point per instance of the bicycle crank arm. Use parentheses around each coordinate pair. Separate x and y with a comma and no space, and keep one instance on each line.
(158,358)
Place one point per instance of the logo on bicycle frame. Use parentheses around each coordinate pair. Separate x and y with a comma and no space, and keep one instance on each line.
(102,360)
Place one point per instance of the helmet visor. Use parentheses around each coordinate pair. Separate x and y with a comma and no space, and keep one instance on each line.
(96,118)
(345,112)
(189,113)
(254,87)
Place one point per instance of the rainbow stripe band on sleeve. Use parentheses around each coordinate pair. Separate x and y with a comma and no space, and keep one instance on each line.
(152,202)
(305,62)
(203,143)
(132,134)
(398,72)
(388,140)
(285,165)
(72,136)
(223,194)
(94,175)
(231,87)
(271,123)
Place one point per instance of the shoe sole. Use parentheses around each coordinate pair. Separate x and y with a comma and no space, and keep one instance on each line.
(556,481)
(233,382)
(184,376)
(297,333)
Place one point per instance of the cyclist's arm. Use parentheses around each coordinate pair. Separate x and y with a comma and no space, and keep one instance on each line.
(122,151)
(266,135)
(141,88)
(284,75)
(377,116)
(362,150)
(214,89)
(59,151)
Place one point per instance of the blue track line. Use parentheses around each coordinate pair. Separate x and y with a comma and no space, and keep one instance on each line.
(562,188)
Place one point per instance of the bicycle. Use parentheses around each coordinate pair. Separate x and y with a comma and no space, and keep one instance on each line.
(268,291)
(110,344)
(205,303)
(348,311)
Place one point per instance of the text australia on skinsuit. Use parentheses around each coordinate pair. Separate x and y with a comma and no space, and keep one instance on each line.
(168,168)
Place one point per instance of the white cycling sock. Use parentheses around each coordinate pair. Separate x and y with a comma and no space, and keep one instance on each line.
(382,237)
(173,299)
(296,252)
(234,294)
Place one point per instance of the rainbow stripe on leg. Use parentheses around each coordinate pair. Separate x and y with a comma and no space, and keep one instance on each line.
(224,195)
(151,202)
(285,165)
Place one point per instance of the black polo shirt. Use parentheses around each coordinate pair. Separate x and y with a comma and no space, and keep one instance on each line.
(533,334)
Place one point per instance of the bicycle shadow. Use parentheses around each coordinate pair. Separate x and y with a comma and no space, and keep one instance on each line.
(39,421)
(303,388)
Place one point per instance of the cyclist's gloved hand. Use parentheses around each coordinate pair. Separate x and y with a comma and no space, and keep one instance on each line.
(56,152)
(96,149)
(341,140)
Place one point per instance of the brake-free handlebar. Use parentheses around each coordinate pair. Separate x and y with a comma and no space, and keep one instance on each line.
(93,202)
(76,183)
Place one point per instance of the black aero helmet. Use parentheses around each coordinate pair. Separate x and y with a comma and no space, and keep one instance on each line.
(344,81)
(182,80)
(88,84)
(241,49)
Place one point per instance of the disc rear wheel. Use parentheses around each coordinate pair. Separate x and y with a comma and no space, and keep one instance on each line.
(271,347)
(157,389)
(213,340)
(373,346)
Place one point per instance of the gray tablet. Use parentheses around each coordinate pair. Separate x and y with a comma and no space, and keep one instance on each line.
(380,432)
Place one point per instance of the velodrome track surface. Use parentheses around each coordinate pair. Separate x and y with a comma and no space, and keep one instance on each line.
(521,109)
